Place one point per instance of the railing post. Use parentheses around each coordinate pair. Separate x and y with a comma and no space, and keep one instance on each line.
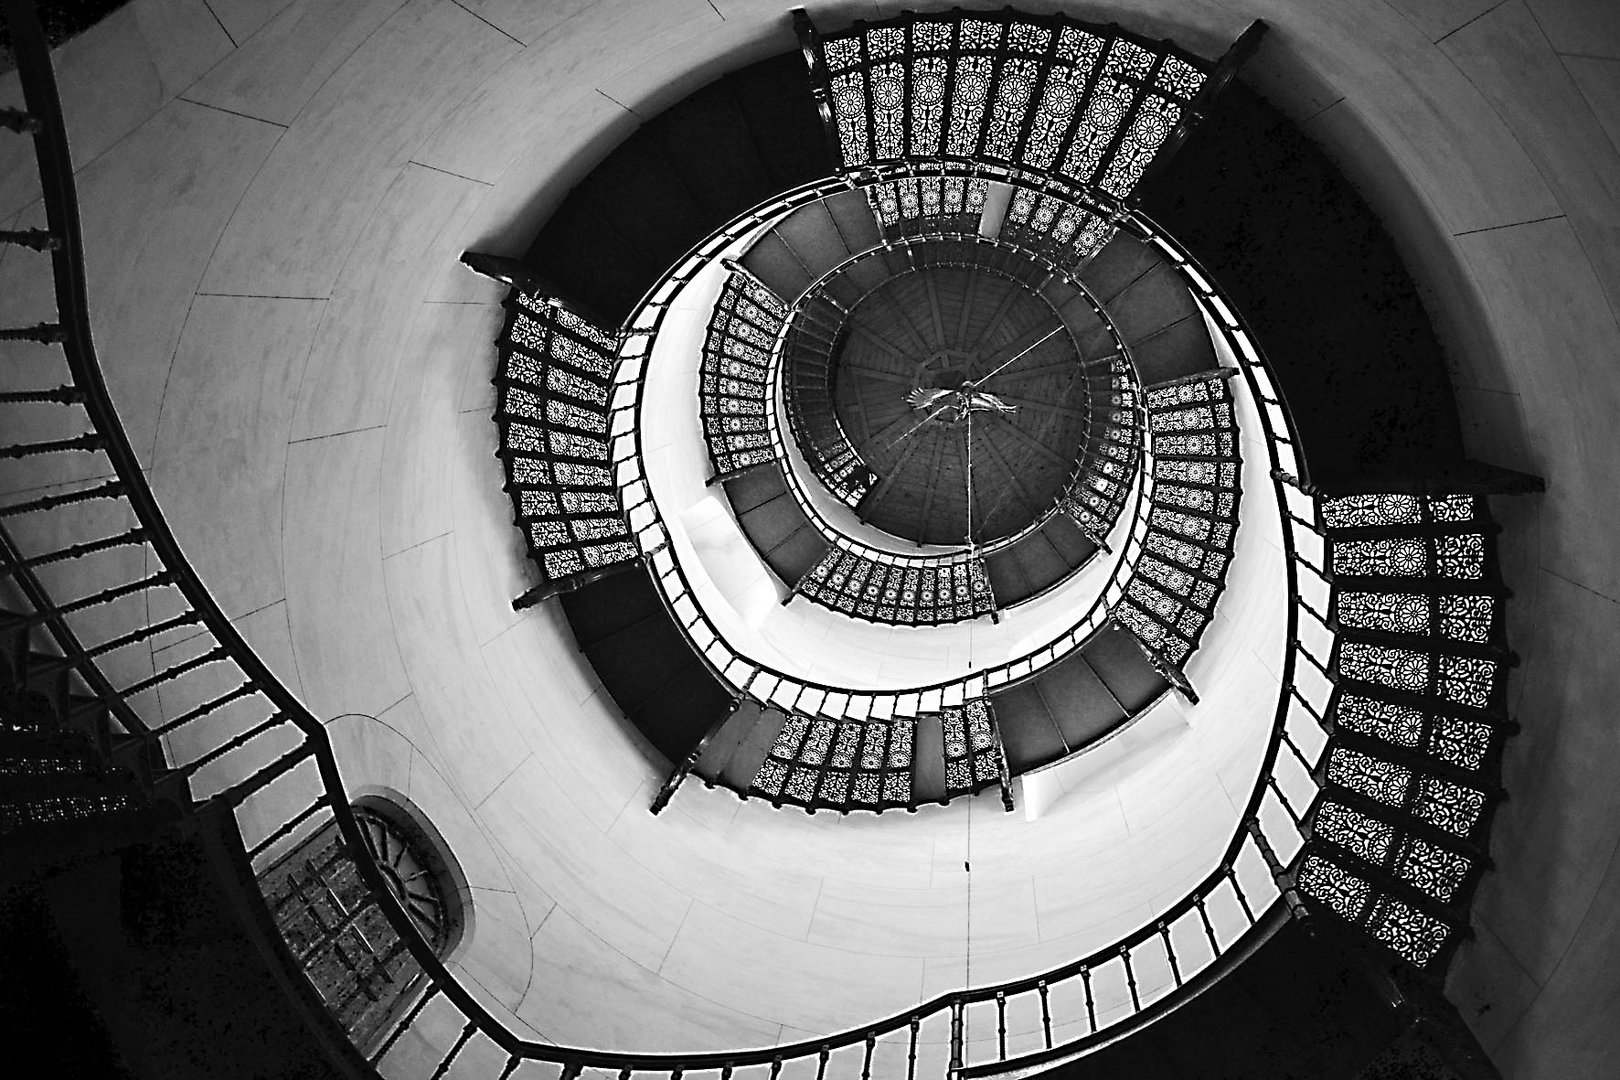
(1285,880)
(957,1008)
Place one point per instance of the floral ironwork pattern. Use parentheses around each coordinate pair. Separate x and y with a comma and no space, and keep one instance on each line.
(733,390)
(1090,106)
(551,407)
(839,764)
(1416,716)
(1171,599)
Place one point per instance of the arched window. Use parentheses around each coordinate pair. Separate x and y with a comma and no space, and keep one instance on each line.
(336,929)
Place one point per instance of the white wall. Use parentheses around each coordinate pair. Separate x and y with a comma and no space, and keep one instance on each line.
(274,198)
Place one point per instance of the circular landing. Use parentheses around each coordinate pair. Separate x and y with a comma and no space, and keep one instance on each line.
(935,354)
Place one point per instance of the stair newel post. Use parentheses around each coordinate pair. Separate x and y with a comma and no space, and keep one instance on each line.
(557,586)
(1003,771)
(815,61)
(519,275)
(1226,69)
(681,771)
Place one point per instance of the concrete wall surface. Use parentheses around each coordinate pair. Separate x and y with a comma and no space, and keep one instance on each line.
(274,195)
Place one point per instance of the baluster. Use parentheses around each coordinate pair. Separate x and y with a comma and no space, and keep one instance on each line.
(1130,977)
(776,1067)
(1299,756)
(1317,664)
(571,1070)
(444,1065)
(1091,1003)
(911,1052)
(677,1072)
(404,1022)
(624,1073)
(76,551)
(185,618)
(821,1061)
(44,333)
(106,596)
(110,490)
(511,1067)
(1001,1024)
(1312,709)
(1271,781)
(38,239)
(302,816)
(61,395)
(956,1036)
(1209,927)
(87,441)
(1231,875)
(168,674)
(866,1065)
(1046,1012)
(220,751)
(1279,873)
(1170,951)
(18,121)
(207,707)
(725,1073)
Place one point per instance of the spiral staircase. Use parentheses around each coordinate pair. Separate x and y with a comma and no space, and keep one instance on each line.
(1366,832)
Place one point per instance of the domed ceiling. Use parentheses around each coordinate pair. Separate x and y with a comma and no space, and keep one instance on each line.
(961,389)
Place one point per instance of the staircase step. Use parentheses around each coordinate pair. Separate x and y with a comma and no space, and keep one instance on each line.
(1082,706)
(751,732)
(1184,348)
(1028,731)
(707,143)
(773,262)
(1118,661)
(678,712)
(812,234)
(609,606)
(856,225)
(1121,261)
(778,104)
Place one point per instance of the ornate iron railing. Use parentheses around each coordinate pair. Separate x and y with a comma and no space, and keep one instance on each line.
(273,768)
(735,669)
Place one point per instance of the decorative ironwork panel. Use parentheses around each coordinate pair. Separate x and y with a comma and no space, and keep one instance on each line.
(1171,598)
(553,382)
(839,765)
(1344,893)
(1355,511)
(1360,834)
(973,752)
(733,395)
(1408,572)
(905,593)
(1377,779)
(1098,496)
(1413,934)
(1064,231)
(1436,870)
(1076,102)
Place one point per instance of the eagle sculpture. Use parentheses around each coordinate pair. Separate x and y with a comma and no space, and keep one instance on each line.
(954,405)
